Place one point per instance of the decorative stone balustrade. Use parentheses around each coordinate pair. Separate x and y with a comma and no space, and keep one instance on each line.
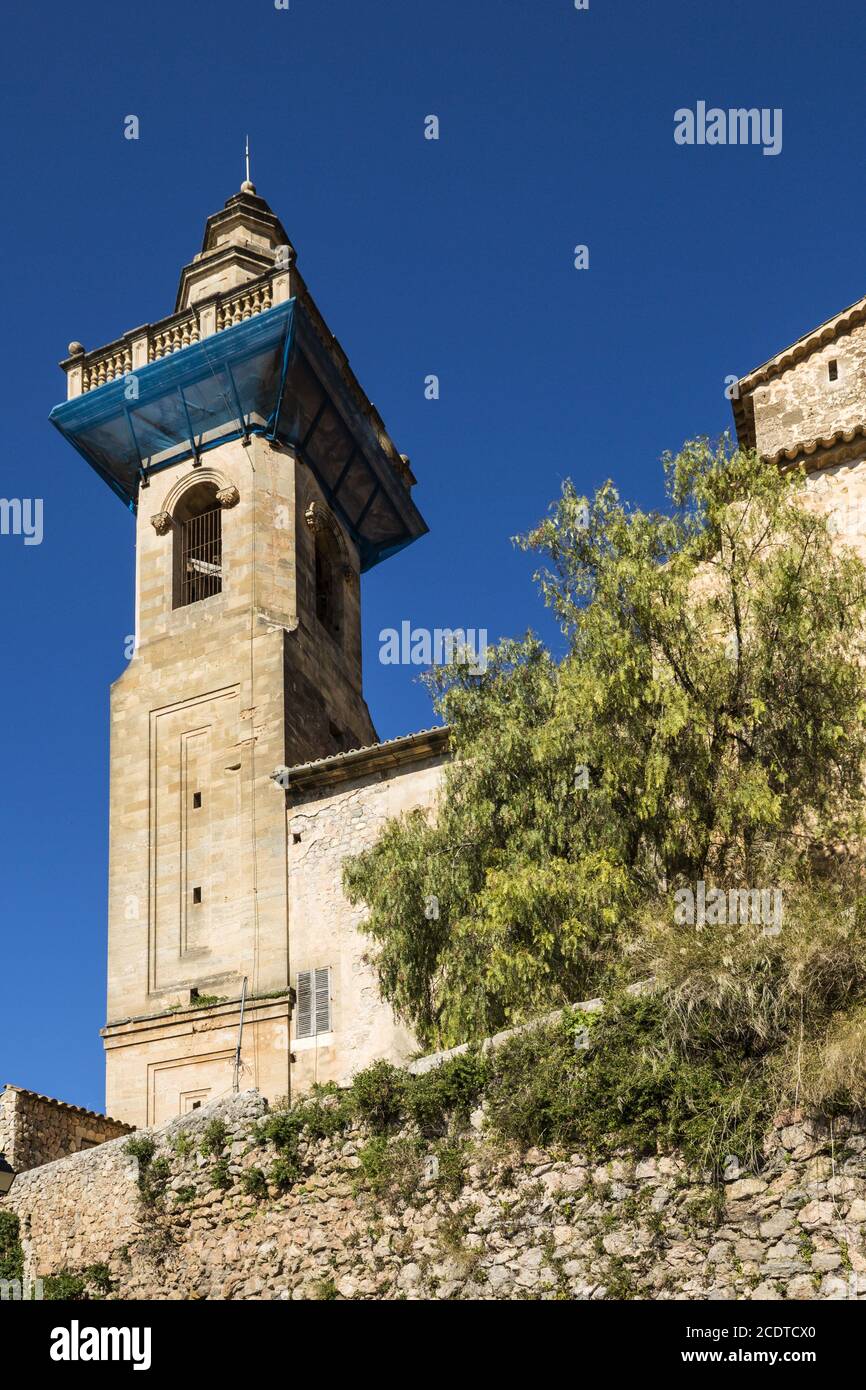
(249,301)
(102,369)
(88,371)
(163,341)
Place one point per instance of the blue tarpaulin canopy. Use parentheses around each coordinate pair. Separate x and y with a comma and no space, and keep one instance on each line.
(269,375)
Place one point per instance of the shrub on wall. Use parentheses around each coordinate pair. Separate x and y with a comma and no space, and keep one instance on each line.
(705,728)
(11,1254)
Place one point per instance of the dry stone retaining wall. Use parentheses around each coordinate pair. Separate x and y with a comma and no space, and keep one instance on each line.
(535,1225)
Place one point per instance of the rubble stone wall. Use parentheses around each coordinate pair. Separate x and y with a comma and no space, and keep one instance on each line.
(499,1224)
(35,1129)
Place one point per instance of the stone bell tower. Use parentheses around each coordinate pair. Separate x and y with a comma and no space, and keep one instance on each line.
(263,484)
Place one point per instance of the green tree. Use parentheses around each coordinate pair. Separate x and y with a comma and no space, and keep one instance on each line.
(706,722)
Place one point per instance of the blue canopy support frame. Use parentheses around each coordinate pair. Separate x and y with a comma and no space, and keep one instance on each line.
(270,375)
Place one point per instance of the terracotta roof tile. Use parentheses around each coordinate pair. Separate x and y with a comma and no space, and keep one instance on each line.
(65,1105)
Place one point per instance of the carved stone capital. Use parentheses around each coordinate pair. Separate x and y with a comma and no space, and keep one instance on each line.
(316,518)
(161,522)
(228,496)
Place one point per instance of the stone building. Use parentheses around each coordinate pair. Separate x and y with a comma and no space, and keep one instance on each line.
(244,762)
(807,406)
(263,484)
(35,1129)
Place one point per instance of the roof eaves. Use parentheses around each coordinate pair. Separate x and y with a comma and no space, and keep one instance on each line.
(803,347)
(807,448)
(65,1105)
(394,752)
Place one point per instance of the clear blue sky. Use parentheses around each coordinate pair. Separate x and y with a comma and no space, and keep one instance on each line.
(452,257)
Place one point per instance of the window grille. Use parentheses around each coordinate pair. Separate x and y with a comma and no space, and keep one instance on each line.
(201,556)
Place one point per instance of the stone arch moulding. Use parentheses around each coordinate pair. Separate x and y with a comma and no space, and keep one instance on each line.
(226,493)
(321,520)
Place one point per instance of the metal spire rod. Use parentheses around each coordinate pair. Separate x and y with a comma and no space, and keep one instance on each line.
(247,158)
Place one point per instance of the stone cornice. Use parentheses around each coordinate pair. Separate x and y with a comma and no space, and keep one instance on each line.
(188,1015)
(838,447)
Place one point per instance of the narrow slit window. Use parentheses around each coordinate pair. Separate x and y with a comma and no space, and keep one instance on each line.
(834,370)
(328,597)
(196,800)
(196,895)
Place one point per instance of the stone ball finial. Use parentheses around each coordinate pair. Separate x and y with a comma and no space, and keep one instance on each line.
(76,349)
(247,187)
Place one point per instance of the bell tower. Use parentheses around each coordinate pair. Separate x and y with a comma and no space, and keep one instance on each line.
(263,484)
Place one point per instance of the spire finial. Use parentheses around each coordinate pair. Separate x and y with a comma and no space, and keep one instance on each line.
(247,186)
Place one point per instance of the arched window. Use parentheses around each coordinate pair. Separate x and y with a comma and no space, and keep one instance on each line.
(198,550)
(328,589)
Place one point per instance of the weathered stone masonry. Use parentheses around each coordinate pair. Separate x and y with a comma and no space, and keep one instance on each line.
(336,807)
(523,1226)
(35,1129)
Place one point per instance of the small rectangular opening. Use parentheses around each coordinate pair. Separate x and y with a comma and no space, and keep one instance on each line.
(833,367)
(296,838)
(196,895)
(196,800)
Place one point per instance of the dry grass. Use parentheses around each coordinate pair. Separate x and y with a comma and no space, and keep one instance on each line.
(797,998)
(832,1074)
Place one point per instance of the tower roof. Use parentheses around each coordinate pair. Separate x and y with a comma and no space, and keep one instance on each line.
(827,332)
(240,242)
(246,352)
